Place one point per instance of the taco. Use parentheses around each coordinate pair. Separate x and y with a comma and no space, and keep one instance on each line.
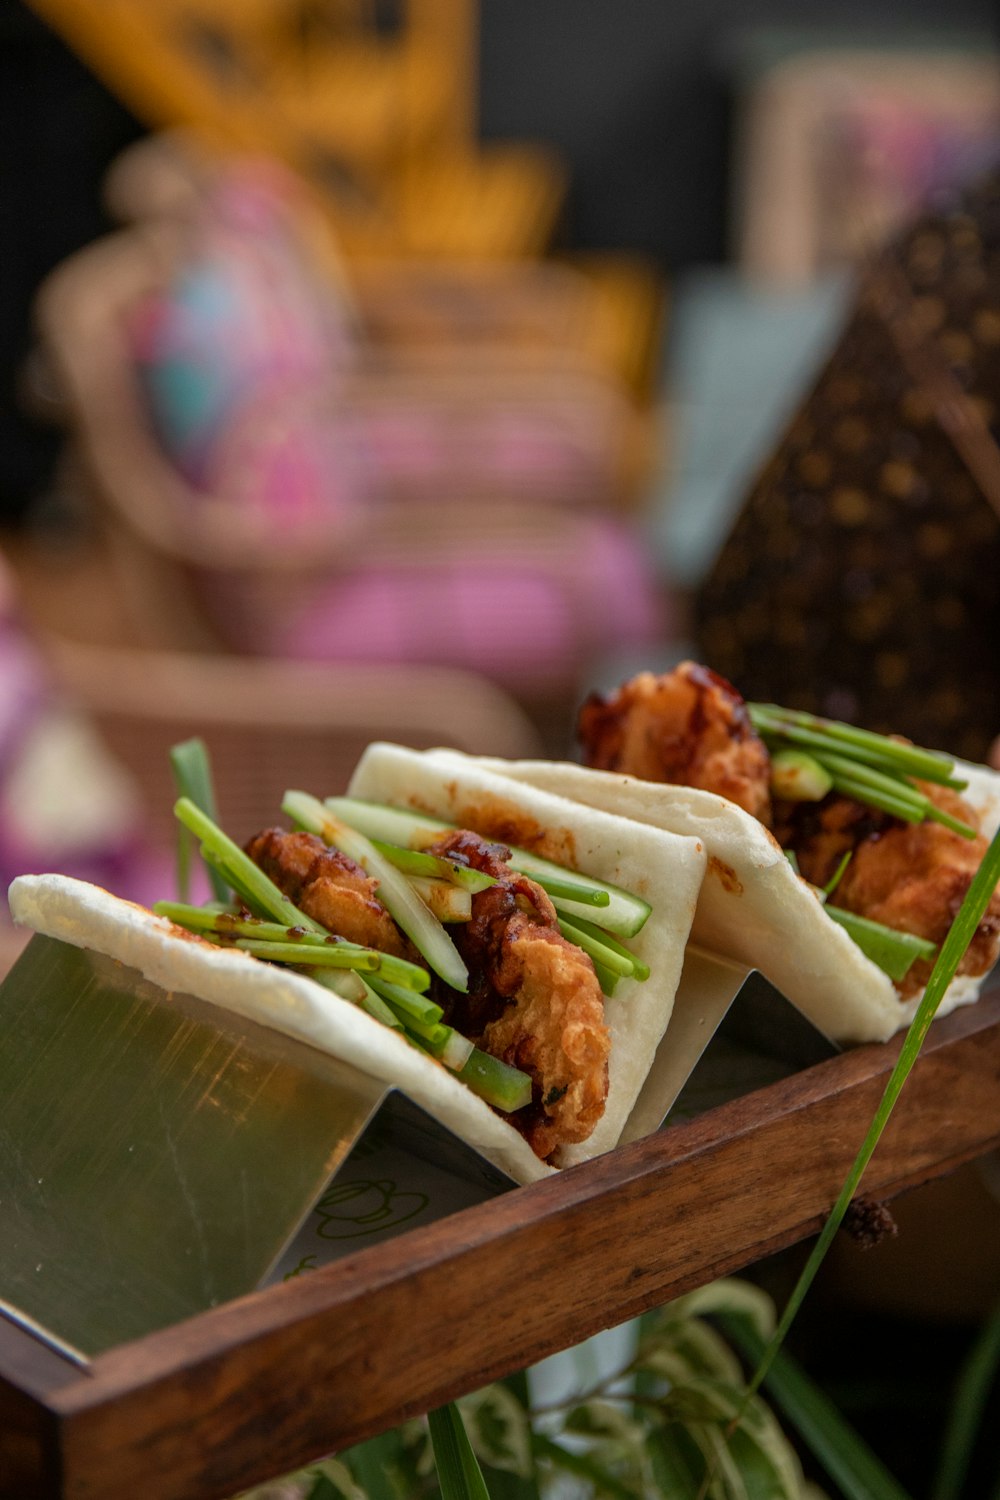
(840,901)
(533,1004)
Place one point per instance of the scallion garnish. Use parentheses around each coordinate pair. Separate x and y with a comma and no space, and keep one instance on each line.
(868,767)
(838,874)
(246,877)
(379,1011)
(603,942)
(320,956)
(865,745)
(891,950)
(228,927)
(407,1002)
(616,960)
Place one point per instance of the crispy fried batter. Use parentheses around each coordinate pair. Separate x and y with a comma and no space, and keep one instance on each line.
(329,887)
(689,727)
(534,999)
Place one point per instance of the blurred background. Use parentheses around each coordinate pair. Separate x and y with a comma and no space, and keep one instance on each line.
(410,368)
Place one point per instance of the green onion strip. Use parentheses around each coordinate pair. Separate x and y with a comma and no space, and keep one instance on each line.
(869,767)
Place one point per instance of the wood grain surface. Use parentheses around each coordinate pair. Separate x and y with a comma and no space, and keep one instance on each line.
(261,1385)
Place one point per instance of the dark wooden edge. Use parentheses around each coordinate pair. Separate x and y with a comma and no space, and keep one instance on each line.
(264,1384)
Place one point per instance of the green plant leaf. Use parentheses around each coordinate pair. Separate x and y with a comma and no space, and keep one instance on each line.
(459,1474)
(975,1381)
(728,1295)
(677,1463)
(332,1480)
(379,1466)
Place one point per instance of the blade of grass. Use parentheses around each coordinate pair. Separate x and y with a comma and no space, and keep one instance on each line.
(459,1474)
(953,948)
(844,1455)
(972,1391)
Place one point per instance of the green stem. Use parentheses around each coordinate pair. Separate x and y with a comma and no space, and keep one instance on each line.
(319,955)
(897,806)
(459,1474)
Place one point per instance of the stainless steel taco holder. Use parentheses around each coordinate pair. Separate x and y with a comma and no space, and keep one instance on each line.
(160,1156)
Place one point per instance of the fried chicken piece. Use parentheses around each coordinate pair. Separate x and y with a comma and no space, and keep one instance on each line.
(534,999)
(909,876)
(821,833)
(329,887)
(689,727)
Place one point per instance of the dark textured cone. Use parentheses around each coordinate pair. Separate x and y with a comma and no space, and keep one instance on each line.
(862,577)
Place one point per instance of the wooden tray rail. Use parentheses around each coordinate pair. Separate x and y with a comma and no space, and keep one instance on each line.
(262,1385)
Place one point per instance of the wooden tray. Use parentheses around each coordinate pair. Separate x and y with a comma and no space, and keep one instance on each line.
(262,1385)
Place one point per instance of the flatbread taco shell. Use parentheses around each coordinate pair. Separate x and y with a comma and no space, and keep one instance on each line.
(666,869)
(663,868)
(753,908)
